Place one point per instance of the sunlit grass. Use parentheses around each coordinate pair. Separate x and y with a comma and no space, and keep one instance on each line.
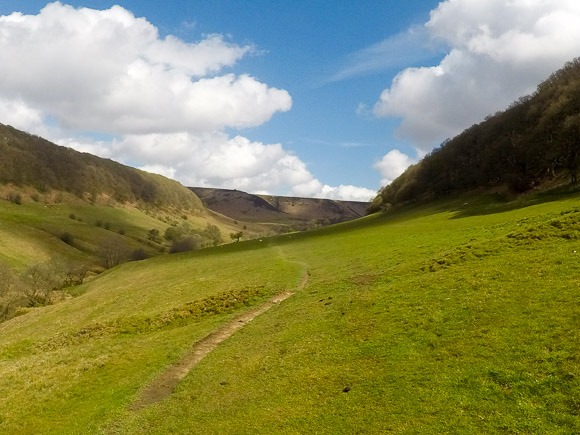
(433,319)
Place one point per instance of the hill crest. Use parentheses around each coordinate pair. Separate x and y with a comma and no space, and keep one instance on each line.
(298,212)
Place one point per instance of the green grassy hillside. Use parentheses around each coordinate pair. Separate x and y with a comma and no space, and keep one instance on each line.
(29,160)
(442,318)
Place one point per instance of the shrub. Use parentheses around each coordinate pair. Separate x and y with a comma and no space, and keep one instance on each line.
(15,198)
(67,238)
(139,254)
(154,236)
(184,245)
(72,216)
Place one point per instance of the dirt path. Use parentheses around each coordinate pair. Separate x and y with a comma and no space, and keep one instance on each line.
(164,385)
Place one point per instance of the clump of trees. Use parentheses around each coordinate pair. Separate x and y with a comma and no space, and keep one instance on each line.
(36,285)
(537,138)
(183,237)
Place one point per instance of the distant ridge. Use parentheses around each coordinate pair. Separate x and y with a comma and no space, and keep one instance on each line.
(302,212)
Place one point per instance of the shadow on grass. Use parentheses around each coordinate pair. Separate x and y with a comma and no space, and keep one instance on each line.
(492,204)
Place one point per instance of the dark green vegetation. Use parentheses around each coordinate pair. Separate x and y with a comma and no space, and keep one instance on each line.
(437,318)
(534,144)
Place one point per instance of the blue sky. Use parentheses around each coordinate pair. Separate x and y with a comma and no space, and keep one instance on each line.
(349,124)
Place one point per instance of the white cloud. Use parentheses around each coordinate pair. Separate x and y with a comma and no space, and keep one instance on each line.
(498,51)
(392,165)
(68,72)
(315,189)
(109,71)
(18,114)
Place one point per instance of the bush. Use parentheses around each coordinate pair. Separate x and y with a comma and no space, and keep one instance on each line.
(72,216)
(154,236)
(113,250)
(15,198)
(139,254)
(67,238)
(184,245)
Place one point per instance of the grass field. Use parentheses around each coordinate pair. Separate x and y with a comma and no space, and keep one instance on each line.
(442,318)
(31,232)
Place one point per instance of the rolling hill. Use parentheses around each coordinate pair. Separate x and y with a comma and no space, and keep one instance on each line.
(66,216)
(431,319)
(299,213)
(30,161)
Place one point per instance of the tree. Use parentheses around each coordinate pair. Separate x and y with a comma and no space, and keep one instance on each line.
(236,236)
(213,233)
(186,244)
(113,251)
(6,279)
(39,280)
(153,235)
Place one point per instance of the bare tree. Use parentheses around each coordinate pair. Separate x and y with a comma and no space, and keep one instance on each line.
(38,282)
(6,279)
(113,251)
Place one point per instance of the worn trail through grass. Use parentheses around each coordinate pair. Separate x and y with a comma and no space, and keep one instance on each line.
(164,385)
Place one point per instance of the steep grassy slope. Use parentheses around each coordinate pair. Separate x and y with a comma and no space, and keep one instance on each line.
(31,232)
(440,318)
(29,160)
(534,144)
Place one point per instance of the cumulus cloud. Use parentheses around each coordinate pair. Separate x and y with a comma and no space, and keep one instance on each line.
(392,165)
(315,189)
(498,51)
(68,73)
(215,160)
(109,71)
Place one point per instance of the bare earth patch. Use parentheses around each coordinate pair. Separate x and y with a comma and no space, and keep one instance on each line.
(164,385)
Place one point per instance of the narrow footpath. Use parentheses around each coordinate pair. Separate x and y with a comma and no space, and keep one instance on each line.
(164,385)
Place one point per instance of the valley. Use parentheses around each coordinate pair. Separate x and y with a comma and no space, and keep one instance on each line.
(423,318)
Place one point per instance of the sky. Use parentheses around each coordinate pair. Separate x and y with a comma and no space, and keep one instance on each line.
(312,98)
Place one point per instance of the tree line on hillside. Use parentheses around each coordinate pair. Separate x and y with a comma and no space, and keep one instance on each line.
(29,160)
(535,139)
